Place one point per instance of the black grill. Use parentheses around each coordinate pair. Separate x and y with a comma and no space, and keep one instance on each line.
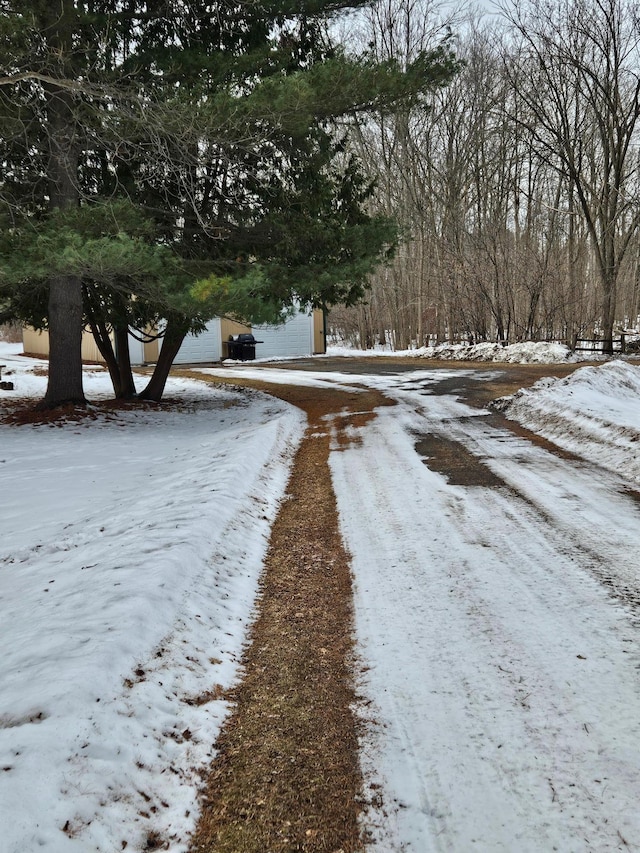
(242,347)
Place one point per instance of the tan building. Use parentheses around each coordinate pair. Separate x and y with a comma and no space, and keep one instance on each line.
(300,335)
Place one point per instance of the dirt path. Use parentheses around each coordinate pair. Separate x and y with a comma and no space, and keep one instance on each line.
(286,777)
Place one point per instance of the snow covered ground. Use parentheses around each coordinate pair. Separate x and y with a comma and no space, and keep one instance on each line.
(495,624)
(129,558)
(498,628)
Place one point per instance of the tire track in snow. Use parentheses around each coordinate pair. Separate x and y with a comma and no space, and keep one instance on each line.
(498,669)
(589,511)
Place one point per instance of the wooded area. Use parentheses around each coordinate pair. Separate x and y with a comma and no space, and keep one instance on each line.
(517,185)
(165,162)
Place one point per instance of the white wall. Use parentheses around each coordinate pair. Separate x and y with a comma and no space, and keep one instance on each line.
(292,338)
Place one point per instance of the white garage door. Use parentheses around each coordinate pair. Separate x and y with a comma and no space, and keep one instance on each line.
(204,347)
(136,350)
(295,337)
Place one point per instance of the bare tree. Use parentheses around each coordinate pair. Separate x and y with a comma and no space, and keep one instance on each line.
(577,72)
(518,184)
(404,298)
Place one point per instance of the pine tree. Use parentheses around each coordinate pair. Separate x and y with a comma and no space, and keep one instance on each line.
(217,122)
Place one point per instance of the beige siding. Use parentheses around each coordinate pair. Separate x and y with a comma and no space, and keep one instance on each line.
(319,343)
(35,343)
(90,351)
(151,350)
(230,327)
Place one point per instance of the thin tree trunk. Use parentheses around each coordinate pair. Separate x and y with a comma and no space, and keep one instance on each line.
(105,347)
(608,310)
(127,386)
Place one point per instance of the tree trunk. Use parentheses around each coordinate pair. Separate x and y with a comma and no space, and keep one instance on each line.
(608,310)
(115,353)
(105,347)
(126,385)
(65,292)
(65,343)
(171,343)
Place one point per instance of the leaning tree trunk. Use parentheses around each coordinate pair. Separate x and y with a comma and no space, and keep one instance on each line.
(171,343)
(105,348)
(126,387)
(119,366)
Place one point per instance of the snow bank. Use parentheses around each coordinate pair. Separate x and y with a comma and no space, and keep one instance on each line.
(524,353)
(594,413)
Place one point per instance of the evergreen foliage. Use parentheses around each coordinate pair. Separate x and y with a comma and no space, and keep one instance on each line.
(176,161)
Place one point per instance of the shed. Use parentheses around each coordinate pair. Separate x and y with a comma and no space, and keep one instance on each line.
(300,335)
